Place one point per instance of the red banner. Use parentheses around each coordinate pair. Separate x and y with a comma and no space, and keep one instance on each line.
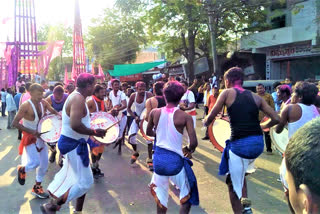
(131,78)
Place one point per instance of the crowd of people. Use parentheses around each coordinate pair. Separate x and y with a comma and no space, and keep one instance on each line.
(169,108)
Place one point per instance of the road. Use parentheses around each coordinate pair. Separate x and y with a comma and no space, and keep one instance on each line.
(124,189)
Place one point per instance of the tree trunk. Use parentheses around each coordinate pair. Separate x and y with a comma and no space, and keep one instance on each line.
(213,36)
(191,54)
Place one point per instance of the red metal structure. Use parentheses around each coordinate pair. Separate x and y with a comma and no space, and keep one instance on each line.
(79,59)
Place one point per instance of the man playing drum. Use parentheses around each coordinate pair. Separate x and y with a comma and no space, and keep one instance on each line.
(56,100)
(119,103)
(33,150)
(169,162)
(246,142)
(295,115)
(138,99)
(97,104)
(75,177)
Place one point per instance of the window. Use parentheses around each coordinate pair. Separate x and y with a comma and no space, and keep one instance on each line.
(278,22)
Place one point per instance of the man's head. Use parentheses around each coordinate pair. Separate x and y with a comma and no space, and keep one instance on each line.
(210,80)
(260,89)
(44,84)
(99,91)
(283,91)
(173,91)
(22,89)
(302,158)
(36,92)
(158,88)
(86,83)
(115,84)
(70,88)
(233,76)
(129,92)
(305,93)
(28,84)
(124,86)
(275,85)
(2,89)
(184,85)
(9,90)
(140,87)
(58,93)
(208,87)
(216,91)
(51,87)
(58,83)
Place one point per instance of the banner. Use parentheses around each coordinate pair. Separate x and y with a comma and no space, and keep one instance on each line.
(131,78)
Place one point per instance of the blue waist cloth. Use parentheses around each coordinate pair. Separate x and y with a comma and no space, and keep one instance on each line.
(249,148)
(67,144)
(92,144)
(169,163)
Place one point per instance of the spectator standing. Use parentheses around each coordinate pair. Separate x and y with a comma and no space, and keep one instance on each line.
(277,102)
(48,93)
(19,83)
(37,78)
(3,102)
(17,97)
(11,107)
(268,98)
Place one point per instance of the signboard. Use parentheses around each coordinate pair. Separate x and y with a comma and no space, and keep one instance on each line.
(200,66)
(290,51)
(131,78)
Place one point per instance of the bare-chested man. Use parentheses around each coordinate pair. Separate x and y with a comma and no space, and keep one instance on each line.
(246,142)
(169,162)
(138,99)
(75,177)
(32,148)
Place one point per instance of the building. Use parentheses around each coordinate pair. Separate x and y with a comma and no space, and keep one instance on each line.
(292,45)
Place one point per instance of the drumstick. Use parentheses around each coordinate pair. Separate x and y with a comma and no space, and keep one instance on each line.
(112,125)
(44,132)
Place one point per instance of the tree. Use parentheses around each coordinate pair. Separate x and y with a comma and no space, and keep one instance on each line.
(57,32)
(114,38)
(182,26)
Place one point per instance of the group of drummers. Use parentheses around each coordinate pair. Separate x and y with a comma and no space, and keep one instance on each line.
(101,114)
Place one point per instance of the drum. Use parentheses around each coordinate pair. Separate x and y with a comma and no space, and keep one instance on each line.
(143,126)
(104,120)
(280,141)
(264,119)
(219,132)
(50,126)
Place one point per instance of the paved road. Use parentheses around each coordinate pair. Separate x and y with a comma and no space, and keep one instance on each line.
(124,189)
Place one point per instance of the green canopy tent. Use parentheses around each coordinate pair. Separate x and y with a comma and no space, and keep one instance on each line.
(130,69)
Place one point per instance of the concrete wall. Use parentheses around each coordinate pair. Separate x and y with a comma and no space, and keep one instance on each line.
(301,27)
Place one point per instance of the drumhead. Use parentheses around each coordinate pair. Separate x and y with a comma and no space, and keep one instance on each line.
(51,124)
(143,126)
(103,120)
(219,132)
(280,141)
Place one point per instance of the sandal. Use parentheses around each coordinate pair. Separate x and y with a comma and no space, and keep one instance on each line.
(134,157)
(150,164)
(21,175)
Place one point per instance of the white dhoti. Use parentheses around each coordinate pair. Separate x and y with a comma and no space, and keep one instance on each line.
(133,131)
(74,176)
(122,125)
(160,186)
(238,167)
(34,159)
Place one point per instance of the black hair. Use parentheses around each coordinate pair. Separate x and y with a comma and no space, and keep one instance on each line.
(308,92)
(2,89)
(303,156)
(158,88)
(184,82)
(275,85)
(51,87)
(260,84)
(173,91)
(22,89)
(97,88)
(28,84)
(234,74)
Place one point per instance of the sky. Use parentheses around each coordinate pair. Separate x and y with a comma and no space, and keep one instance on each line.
(53,11)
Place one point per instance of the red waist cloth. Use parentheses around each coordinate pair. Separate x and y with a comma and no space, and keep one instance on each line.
(27,139)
